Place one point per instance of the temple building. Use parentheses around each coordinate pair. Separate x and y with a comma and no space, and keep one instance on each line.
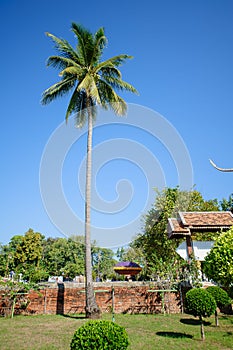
(188,223)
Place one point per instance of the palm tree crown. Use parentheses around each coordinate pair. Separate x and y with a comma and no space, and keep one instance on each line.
(81,69)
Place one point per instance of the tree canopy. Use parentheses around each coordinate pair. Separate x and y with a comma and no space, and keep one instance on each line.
(159,252)
(218,264)
(36,258)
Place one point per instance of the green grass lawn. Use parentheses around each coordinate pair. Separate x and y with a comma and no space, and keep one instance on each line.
(146,332)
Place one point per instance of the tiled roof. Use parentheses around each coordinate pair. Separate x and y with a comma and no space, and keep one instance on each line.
(188,222)
(175,227)
(211,218)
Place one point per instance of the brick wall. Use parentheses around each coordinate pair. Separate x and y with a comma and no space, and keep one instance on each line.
(135,297)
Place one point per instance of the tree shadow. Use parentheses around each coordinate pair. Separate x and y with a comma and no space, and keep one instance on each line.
(228,334)
(174,335)
(194,322)
(60,298)
(230,319)
(77,317)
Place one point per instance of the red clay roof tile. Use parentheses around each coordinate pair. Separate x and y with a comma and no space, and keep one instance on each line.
(188,222)
(193,219)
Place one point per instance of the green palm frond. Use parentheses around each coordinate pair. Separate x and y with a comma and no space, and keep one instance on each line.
(61,62)
(75,104)
(119,108)
(114,61)
(111,72)
(120,84)
(64,47)
(110,98)
(78,106)
(85,43)
(57,90)
(100,42)
(119,60)
(81,114)
(88,84)
(72,70)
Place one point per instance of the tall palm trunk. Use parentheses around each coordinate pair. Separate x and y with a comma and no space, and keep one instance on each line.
(92,310)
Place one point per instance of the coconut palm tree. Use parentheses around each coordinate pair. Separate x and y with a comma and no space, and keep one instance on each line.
(93,83)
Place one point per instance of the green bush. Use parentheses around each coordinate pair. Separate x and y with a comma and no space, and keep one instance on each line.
(198,302)
(221,297)
(100,335)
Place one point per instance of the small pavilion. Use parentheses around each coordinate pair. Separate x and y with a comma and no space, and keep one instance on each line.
(188,223)
(127,268)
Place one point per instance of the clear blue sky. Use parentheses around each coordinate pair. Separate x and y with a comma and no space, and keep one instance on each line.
(182,68)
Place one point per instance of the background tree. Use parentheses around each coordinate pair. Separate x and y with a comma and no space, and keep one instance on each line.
(4,268)
(7,253)
(227,204)
(93,83)
(218,264)
(103,262)
(221,297)
(120,252)
(160,252)
(37,258)
(26,254)
(64,257)
(200,303)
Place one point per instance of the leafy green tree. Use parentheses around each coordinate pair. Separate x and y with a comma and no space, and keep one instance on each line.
(154,241)
(120,253)
(221,297)
(4,269)
(218,264)
(103,262)
(200,303)
(64,257)
(134,254)
(7,253)
(160,252)
(27,255)
(93,83)
(227,204)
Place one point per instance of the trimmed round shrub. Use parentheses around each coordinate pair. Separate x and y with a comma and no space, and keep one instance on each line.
(198,302)
(100,335)
(221,297)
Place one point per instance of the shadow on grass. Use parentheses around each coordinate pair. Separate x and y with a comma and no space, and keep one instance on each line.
(223,317)
(228,334)
(77,317)
(174,335)
(193,322)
